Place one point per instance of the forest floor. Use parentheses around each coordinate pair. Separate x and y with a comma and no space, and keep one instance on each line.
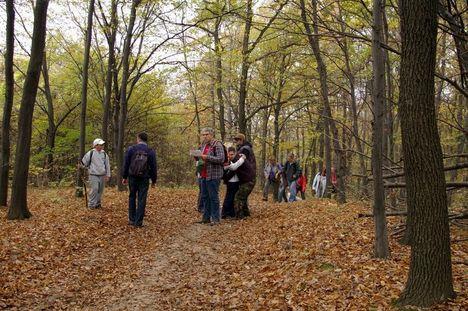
(309,255)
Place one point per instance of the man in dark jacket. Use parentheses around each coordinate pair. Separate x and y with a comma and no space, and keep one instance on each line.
(291,173)
(245,167)
(139,167)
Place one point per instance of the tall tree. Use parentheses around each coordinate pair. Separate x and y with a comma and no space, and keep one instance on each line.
(381,249)
(9,90)
(244,68)
(19,206)
(329,122)
(123,89)
(430,274)
(84,92)
(354,111)
(247,49)
(110,31)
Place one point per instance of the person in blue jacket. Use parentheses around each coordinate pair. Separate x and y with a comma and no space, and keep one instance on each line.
(139,167)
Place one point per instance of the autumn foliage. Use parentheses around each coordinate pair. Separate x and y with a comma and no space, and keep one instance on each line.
(309,255)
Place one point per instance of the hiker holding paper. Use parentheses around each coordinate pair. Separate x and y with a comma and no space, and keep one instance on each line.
(97,162)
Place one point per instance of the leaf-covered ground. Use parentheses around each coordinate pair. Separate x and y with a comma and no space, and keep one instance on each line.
(310,255)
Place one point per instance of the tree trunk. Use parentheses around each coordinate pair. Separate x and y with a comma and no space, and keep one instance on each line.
(277,107)
(219,79)
(389,140)
(51,130)
(84,96)
(9,93)
(329,121)
(242,120)
(264,137)
(115,114)
(430,273)
(110,69)
(19,205)
(123,92)
(381,249)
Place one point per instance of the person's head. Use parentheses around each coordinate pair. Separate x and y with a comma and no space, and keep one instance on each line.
(291,157)
(207,134)
(239,139)
(142,137)
(324,171)
(272,160)
(98,144)
(231,153)
(333,170)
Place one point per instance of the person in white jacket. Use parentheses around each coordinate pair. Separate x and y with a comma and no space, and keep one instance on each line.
(97,162)
(320,184)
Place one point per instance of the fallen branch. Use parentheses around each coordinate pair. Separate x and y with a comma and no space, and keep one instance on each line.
(448,185)
(459,240)
(398,213)
(448,168)
(463,215)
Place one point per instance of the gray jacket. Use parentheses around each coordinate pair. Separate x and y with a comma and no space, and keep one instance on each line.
(99,164)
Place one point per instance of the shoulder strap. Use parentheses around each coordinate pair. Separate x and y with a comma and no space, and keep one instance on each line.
(90,157)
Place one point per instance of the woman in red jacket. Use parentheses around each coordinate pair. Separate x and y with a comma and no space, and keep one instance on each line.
(302,185)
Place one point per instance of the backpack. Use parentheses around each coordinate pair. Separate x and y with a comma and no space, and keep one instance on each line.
(138,164)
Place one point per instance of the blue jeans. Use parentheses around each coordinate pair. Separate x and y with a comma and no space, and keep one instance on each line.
(292,191)
(210,198)
(138,189)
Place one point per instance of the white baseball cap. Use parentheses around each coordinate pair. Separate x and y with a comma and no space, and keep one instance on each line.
(98,141)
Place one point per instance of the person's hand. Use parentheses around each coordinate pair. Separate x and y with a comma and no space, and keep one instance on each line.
(153,185)
(124,181)
(204,156)
(106,178)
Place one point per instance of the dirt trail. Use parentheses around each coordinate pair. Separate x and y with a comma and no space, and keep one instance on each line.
(186,260)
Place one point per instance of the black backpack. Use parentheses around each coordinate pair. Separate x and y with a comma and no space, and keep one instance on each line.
(138,164)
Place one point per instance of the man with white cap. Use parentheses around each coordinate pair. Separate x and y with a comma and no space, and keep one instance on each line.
(97,162)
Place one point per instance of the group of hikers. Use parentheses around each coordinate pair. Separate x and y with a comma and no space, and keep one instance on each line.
(236,166)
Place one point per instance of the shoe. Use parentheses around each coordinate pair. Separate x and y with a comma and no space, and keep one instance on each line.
(98,206)
(264,199)
(131,223)
(138,225)
(203,221)
(215,223)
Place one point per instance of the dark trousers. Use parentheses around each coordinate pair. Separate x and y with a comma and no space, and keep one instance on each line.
(228,204)
(200,201)
(241,207)
(138,190)
(210,197)
(302,194)
(271,184)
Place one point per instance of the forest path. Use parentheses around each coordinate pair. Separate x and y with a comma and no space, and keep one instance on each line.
(192,259)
